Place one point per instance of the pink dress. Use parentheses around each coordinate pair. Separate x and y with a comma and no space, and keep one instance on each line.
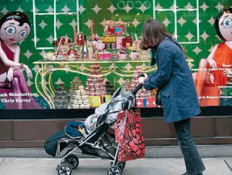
(18,85)
(10,56)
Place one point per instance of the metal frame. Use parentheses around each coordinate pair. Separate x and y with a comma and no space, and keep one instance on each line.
(84,141)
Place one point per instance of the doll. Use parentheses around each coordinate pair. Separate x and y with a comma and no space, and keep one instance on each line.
(217,69)
(14,28)
(109,28)
(80,39)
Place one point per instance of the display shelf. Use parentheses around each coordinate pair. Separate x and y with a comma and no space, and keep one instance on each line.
(46,68)
(89,62)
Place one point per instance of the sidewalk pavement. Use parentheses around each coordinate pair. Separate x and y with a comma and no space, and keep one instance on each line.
(160,160)
(94,166)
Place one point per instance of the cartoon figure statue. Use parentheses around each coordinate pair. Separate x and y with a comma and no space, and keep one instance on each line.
(14,28)
(80,39)
(216,71)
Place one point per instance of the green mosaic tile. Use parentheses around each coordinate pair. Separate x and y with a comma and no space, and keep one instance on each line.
(63,25)
(67,6)
(44,6)
(168,18)
(186,4)
(187,32)
(164,4)
(45,23)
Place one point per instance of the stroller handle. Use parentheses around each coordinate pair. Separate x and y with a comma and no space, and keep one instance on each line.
(137,88)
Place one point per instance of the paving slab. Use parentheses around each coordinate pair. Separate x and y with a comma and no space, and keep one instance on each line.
(32,166)
(228,162)
(216,167)
(1,160)
(95,166)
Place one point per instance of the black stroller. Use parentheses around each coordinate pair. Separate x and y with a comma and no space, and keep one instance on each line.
(98,140)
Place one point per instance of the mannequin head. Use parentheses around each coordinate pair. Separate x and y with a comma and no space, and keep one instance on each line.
(14,27)
(223,24)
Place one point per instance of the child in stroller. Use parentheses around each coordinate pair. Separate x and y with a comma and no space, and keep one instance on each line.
(94,136)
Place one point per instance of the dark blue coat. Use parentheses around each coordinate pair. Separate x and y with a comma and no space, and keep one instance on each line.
(174,80)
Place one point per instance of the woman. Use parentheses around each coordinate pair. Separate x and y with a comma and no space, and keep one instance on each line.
(176,88)
(14,28)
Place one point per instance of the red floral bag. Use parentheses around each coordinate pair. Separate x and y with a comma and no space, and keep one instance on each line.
(129,135)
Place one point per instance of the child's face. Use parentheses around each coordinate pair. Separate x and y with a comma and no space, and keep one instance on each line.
(225,26)
(12,33)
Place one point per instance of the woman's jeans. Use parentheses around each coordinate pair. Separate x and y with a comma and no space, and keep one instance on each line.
(193,162)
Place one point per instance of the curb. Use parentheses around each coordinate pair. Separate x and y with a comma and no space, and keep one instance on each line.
(206,151)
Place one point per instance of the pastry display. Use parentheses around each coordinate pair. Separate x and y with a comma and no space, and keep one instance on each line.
(95,85)
(61,98)
(79,99)
(142,93)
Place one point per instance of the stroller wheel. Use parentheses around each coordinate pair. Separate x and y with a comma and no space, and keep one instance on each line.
(121,165)
(114,170)
(64,169)
(72,160)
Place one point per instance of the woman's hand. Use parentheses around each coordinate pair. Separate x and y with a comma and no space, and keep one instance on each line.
(142,78)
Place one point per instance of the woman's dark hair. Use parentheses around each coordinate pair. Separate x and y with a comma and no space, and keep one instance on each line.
(17,16)
(153,33)
(216,24)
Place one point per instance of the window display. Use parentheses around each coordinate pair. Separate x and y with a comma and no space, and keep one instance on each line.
(78,52)
(213,79)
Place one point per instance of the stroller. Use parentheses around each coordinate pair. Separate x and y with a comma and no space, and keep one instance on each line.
(95,137)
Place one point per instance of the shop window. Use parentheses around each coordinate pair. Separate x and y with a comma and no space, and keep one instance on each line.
(180,17)
(53,19)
